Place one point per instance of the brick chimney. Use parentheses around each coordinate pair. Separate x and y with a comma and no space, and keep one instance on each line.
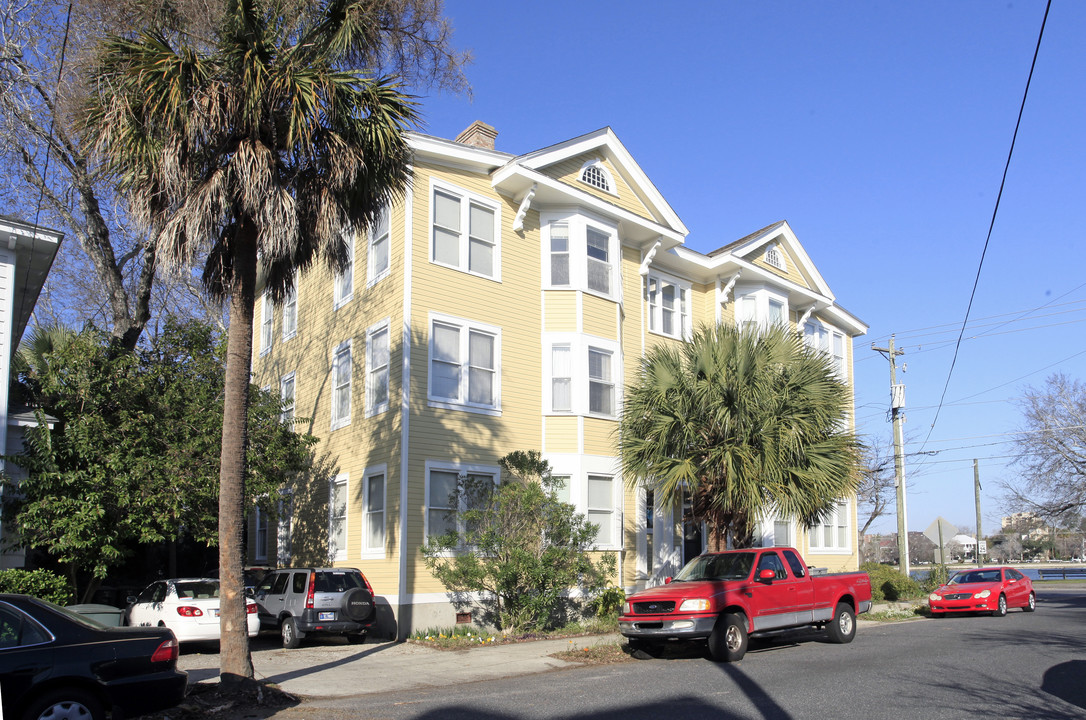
(479,135)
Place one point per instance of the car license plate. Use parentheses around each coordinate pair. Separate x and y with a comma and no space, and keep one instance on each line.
(216,611)
(326,616)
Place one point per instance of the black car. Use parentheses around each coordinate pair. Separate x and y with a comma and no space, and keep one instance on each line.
(55,663)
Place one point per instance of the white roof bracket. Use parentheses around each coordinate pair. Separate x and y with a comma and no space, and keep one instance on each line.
(525,204)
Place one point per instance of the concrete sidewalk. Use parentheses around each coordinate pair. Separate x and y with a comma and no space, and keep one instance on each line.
(331,668)
(328,668)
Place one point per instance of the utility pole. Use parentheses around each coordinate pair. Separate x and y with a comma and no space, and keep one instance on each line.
(897,404)
(976,494)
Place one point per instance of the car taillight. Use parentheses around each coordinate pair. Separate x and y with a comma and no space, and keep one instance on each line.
(166,652)
(189,611)
(312,590)
(250,609)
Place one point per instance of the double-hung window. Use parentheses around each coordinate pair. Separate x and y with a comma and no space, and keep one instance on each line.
(341,385)
(832,534)
(560,255)
(600,260)
(669,307)
(447,498)
(466,232)
(337,518)
(290,314)
(580,253)
(286,398)
(561,378)
(464,364)
(601,508)
(378,262)
(581,375)
(343,285)
(601,385)
(266,324)
(260,541)
(373,512)
(377,367)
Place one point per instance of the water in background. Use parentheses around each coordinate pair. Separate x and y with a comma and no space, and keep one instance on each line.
(921,574)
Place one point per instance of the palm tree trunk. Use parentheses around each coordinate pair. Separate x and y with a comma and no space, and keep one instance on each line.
(236,663)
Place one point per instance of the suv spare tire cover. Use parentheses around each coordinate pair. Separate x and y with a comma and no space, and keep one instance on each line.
(358,605)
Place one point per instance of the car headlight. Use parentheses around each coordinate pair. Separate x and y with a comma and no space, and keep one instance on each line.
(694,605)
(983,594)
(935,596)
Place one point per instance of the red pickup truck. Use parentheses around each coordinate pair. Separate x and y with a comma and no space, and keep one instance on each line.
(724,598)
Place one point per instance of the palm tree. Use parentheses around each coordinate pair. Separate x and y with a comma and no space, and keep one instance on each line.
(741,423)
(266,147)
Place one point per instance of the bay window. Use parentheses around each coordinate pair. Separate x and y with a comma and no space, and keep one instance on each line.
(580,253)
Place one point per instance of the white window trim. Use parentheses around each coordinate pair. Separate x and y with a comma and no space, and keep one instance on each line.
(578,468)
(459,469)
(338,300)
(370,553)
(654,313)
(294,396)
(339,422)
(372,276)
(466,199)
(442,402)
(291,299)
(376,409)
(844,508)
(577,224)
(579,382)
(267,324)
(761,295)
(344,479)
(611,188)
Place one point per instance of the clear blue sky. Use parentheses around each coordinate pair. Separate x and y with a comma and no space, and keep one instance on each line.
(879,130)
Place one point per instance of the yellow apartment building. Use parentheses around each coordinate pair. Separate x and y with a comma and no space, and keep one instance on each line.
(501,305)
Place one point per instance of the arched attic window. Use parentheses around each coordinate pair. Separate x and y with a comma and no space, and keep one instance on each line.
(774,256)
(594,173)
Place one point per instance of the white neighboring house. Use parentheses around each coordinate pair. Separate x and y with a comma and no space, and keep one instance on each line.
(26,255)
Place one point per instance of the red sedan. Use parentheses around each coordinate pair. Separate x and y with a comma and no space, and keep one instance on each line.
(991,589)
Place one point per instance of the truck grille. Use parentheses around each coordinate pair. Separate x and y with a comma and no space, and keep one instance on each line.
(654,608)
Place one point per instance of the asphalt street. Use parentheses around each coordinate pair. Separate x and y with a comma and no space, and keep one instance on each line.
(1025,665)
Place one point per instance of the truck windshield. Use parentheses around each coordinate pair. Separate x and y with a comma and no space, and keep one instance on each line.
(725,566)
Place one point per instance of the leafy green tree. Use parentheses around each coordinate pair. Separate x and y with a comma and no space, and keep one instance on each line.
(742,422)
(519,544)
(273,143)
(130,456)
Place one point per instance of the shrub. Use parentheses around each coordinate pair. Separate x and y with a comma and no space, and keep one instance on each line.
(519,546)
(888,583)
(939,575)
(42,584)
(608,604)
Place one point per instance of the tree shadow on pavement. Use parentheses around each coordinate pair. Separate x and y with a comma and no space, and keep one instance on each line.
(686,708)
(1067,681)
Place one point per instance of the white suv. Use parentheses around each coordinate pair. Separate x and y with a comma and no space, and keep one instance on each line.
(307,601)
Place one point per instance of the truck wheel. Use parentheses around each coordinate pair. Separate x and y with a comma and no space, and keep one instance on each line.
(843,626)
(1001,607)
(728,641)
(292,636)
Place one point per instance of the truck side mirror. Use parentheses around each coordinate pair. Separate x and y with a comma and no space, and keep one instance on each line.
(767,574)
(667,580)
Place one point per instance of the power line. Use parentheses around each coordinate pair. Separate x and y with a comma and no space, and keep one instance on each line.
(995,211)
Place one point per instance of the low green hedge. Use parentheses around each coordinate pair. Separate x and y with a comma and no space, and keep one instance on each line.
(43,584)
(889,583)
